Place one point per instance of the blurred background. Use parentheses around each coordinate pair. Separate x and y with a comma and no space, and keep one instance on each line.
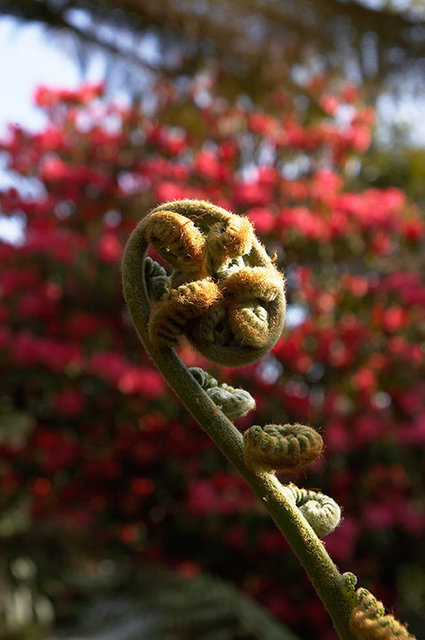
(117,517)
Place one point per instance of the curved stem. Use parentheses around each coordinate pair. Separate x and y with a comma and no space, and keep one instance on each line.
(309,549)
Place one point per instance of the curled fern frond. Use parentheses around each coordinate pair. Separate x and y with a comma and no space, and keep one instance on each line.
(234,403)
(368,620)
(321,512)
(205,379)
(171,316)
(226,296)
(157,280)
(288,447)
(176,239)
(348,586)
(228,239)
(224,293)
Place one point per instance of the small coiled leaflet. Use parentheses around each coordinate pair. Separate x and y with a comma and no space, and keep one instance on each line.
(224,293)
(321,512)
(368,620)
(234,403)
(288,448)
(157,280)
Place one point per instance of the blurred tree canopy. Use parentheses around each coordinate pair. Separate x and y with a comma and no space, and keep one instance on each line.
(252,46)
(253,42)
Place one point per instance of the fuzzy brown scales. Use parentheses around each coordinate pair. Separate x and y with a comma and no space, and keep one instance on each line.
(370,622)
(225,294)
(287,448)
(182,245)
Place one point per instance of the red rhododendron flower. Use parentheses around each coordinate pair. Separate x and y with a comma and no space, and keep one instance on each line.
(109,248)
(69,402)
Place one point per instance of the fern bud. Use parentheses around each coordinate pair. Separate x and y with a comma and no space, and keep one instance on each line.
(288,447)
(176,239)
(349,581)
(228,239)
(368,620)
(321,512)
(224,293)
(234,403)
(172,314)
(205,379)
(157,280)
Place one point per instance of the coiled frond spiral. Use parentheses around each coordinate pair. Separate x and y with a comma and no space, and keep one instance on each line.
(157,280)
(223,293)
(288,447)
(321,512)
(234,403)
(368,620)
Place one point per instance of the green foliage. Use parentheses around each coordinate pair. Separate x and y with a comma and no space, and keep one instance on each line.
(399,166)
(160,605)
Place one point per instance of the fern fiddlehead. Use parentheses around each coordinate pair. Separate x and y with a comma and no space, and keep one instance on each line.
(276,447)
(225,295)
(234,403)
(369,620)
(320,511)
